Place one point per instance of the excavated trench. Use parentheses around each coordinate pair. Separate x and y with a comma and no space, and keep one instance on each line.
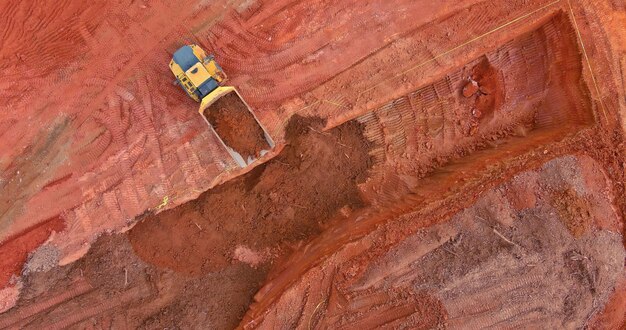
(500,111)
(317,219)
(526,93)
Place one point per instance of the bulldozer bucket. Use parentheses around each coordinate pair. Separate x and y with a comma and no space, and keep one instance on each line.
(236,126)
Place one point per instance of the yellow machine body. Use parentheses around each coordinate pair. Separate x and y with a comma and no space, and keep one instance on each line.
(205,105)
(201,77)
(197,73)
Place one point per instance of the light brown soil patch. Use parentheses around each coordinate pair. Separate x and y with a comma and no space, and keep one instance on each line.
(573,210)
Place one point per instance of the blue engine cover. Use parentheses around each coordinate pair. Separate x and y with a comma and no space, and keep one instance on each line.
(185,58)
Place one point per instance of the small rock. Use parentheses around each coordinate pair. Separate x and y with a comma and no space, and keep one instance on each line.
(470,88)
(476,113)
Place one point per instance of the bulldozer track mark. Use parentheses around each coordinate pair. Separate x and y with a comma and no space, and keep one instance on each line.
(313,80)
(434,123)
(470,41)
(266,11)
(19,315)
(261,42)
(97,308)
(587,61)
(369,60)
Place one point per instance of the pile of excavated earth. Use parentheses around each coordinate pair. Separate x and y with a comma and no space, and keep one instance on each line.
(437,165)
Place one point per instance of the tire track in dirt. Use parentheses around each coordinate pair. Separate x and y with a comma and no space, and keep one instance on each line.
(11,319)
(392,125)
(553,113)
(464,125)
(109,144)
(406,50)
(498,284)
(326,65)
(98,309)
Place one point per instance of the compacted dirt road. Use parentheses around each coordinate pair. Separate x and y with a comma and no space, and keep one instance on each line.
(449,164)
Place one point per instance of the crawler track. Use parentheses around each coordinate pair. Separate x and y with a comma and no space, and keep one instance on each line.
(493,164)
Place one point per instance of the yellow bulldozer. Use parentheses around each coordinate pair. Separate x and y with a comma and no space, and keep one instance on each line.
(229,117)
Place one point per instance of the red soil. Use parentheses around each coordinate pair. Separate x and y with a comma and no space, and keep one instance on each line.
(487,264)
(463,105)
(236,126)
(15,251)
(285,201)
(189,251)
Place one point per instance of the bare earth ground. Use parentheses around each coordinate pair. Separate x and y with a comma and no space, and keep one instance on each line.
(439,164)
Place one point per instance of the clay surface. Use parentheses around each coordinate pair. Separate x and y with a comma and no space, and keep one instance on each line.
(488,265)
(438,164)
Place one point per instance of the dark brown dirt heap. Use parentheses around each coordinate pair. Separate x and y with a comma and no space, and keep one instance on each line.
(111,288)
(142,280)
(573,210)
(237,127)
(284,201)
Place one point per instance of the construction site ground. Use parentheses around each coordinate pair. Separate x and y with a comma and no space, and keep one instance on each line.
(438,164)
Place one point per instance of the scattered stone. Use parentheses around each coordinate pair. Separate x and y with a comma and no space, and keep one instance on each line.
(470,88)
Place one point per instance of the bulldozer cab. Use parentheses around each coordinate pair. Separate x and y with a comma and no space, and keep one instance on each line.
(197,73)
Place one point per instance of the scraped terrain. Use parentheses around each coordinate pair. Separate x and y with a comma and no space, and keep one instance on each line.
(221,245)
(437,165)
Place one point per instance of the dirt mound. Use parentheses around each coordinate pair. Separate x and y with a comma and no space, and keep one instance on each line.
(488,265)
(455,98)
(202,262)
(236,126)
(282,202)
